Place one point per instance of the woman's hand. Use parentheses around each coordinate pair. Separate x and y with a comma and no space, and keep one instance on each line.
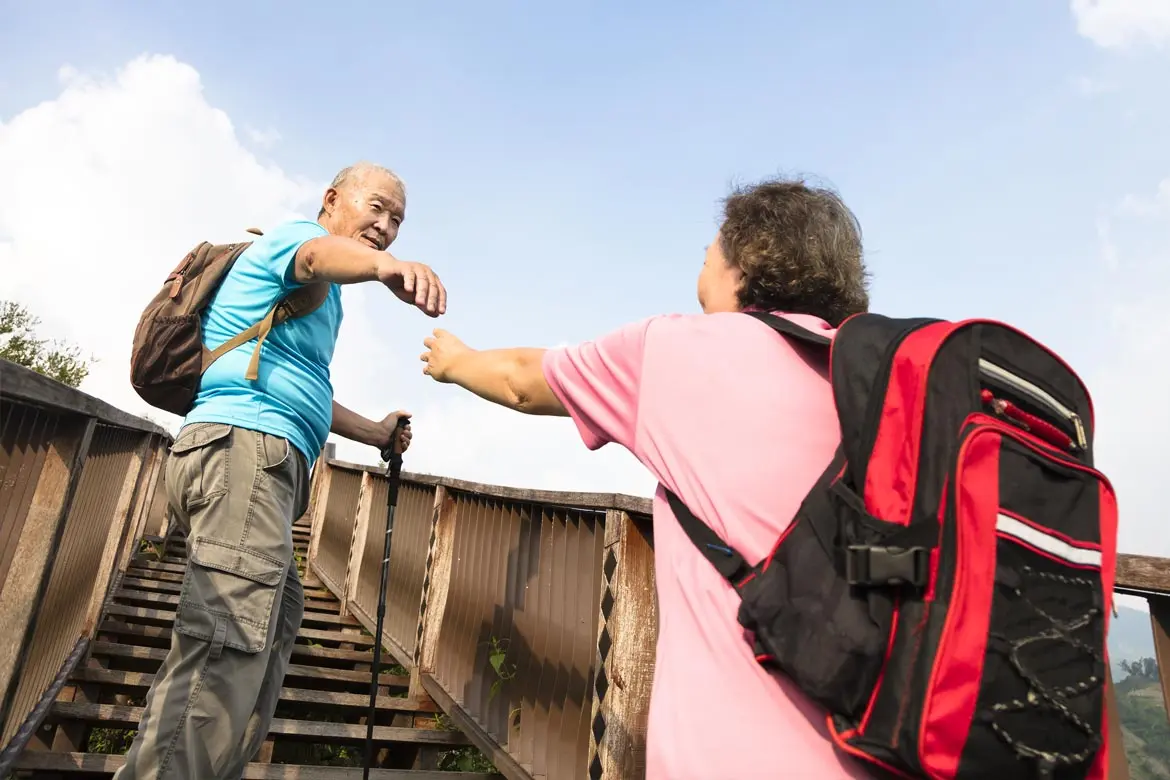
(443,350)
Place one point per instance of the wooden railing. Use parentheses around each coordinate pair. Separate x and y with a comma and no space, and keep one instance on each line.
(530,617)
(80,482)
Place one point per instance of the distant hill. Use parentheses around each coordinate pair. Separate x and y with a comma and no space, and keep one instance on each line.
(1130,638)
(1144,725)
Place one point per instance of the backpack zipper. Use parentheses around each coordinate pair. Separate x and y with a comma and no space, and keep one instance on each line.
(1038,395)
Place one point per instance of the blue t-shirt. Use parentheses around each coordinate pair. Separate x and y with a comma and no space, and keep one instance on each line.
(292,397)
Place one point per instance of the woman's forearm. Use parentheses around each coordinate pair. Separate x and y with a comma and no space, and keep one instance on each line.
(509,377)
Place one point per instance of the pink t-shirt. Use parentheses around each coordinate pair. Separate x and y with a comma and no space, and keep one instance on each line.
(728,415)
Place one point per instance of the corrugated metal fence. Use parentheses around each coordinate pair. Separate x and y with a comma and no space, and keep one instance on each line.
(78,487)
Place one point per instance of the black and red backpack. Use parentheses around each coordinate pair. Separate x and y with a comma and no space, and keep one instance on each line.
(944,590)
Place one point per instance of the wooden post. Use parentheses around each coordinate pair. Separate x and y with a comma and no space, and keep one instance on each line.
(436,581)
(131,485)
(1118,763)
(626,634)
(357,543)
(152,467)
(320,497)
(1160,624)
(36,548)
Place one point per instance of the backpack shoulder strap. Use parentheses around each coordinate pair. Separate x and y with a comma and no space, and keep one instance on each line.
(301,302)
(725,558)
(789,328)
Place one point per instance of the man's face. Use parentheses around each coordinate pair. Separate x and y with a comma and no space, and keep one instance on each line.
(368,208)
(719,281)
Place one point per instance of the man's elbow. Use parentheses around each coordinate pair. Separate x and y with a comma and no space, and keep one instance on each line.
(305,262)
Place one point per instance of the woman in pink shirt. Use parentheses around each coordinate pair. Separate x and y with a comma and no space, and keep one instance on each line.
(782,247)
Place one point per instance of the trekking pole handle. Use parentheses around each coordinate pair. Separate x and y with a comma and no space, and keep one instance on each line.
(393,457)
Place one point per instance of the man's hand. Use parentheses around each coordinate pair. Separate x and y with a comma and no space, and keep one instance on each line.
(414,283)
(443,349)
(386,432)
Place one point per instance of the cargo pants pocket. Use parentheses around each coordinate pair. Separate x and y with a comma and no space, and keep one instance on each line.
(228,594)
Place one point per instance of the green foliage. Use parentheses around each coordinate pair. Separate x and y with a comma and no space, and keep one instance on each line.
(19,344)
(466,759)
(1144,720)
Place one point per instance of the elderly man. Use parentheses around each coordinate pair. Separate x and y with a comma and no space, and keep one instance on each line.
(238,477)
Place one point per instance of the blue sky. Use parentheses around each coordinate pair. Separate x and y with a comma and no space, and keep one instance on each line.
(565,162)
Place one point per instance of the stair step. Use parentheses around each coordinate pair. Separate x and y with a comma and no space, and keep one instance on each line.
(137,684)
(97,763)
(127,717)
(157,618)
(157,636)
(173,583)
(153,657)
(165,601)
(170,588)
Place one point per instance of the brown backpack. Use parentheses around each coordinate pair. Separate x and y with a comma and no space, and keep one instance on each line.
(168,358)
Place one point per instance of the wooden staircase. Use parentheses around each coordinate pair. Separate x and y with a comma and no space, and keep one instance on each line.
(319,730)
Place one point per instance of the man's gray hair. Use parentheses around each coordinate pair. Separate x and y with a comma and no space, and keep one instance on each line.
(360,170)
(363,169)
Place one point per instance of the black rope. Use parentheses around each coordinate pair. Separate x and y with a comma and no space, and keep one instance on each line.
(1042,697)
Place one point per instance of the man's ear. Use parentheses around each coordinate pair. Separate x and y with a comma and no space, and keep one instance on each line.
(329,201)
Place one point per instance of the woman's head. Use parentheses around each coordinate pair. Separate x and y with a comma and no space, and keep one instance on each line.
(785,246)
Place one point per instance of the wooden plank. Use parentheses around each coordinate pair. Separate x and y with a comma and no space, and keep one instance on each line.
(573,500)
(32,388)
(122,516)
(97,763)
(139,682)
(1118,763)
(1142,572)
(122,716)
(433,604)
(170,602)
(163,580)
(136,652)
(160,637)
(357,544)
(625,651)
(1160,624)
(500,758)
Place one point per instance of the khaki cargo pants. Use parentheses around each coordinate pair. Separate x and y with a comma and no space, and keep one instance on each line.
(236,493)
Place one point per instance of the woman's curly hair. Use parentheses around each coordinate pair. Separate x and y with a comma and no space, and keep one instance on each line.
(799,249)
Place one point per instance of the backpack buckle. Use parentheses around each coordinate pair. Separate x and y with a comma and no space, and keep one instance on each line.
(877,566)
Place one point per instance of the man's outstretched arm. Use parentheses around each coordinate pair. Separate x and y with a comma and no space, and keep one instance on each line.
(342,260)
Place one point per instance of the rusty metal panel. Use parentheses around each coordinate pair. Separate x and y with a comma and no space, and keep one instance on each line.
(75,568)
(25,434)
(408,554)
(517,648)
(337,528)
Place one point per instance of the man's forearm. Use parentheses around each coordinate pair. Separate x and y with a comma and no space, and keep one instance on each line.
(351,425)
(510,377)
(339,260)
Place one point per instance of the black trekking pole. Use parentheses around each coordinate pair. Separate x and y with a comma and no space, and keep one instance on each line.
(393,456)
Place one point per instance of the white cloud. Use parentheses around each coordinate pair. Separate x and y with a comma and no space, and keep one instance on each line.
(105,186)
(1129,385)
(1122,24)
(263,138)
